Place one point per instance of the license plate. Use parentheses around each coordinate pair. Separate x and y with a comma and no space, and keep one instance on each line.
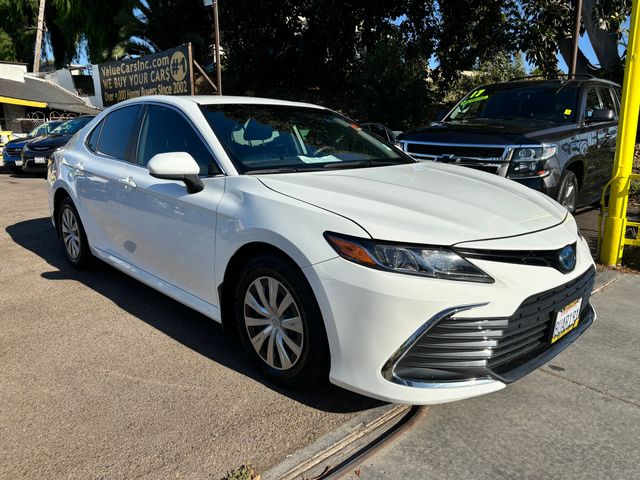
(18,163)
(40,159)
(566,320)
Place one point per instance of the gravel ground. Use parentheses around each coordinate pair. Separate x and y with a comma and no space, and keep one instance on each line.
(103,377)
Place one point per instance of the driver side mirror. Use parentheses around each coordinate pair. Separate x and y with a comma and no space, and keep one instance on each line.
(601,115)
(177,166)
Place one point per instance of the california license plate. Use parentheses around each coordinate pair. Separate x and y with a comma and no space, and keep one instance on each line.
(40,159)
(566,320)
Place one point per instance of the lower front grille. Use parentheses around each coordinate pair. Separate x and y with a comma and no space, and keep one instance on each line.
(500,348)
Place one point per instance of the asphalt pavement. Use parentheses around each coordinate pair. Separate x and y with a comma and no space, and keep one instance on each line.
(103,377)
(578,417)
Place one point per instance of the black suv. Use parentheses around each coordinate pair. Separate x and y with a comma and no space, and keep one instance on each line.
(556,135)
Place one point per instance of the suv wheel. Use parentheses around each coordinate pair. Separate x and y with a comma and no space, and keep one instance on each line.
(280,324)
(76,247)
(568,191)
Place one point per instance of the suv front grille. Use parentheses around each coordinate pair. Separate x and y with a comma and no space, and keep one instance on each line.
(456,151)
(500,348)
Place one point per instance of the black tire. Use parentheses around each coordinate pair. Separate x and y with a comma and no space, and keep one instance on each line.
(311,366)
(568,191)
(80,255)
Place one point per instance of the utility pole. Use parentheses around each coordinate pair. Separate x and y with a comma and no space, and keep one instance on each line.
(576,37)
(615,222)
(36,53)
(216,29)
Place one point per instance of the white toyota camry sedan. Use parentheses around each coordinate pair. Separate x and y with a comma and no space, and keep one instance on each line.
(329,252)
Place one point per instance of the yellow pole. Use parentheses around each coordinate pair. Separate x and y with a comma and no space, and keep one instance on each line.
(615,222)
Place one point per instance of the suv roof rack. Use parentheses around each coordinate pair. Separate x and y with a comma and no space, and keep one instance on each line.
(554,76)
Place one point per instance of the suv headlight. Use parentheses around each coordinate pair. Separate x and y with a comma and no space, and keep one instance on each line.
(426,261)
(530,161)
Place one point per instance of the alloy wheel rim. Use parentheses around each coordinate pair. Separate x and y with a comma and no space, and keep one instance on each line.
(71,233)
(569,197)
(273,322)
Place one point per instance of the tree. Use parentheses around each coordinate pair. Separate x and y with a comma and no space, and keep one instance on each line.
(546,27)
(17,30)
(471,32)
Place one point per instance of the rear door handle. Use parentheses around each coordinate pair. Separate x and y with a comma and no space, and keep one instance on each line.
(128,182)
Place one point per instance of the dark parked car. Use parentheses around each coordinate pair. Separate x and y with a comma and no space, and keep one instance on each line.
(12,153)
(36,153)
(556,135)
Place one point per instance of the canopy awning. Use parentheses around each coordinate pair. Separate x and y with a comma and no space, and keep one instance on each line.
(39,93)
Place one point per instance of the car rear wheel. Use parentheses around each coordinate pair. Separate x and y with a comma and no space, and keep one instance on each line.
(568,191)
(76,247)
(280,324)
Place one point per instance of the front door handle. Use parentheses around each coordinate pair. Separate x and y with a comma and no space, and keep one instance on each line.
(128,182)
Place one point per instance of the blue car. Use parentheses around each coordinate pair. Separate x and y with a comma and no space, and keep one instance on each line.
(12,153)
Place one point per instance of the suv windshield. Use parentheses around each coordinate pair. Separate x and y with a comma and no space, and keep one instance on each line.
(276,138)
(43,129)
(71,126)
(554,103)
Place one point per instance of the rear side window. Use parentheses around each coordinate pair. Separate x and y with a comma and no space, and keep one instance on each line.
(92,141)
(116,133)
(164,130)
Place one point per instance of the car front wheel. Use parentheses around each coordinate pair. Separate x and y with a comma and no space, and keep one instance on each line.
(280,324)
(568,191)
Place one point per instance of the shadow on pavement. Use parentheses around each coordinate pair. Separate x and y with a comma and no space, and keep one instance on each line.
(181,323)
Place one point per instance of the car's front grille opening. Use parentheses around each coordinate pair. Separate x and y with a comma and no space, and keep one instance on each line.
(14,152)
(465,348)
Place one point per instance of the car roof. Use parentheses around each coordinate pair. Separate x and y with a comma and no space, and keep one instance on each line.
(558,81)
(182,100)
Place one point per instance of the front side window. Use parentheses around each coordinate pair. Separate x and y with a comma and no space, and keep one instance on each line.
(549,103)
(288,138)
(593,102)
(606,95)
(117,128)
(164,131)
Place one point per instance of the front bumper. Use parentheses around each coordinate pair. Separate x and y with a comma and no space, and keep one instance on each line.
(35,161)
(371,316)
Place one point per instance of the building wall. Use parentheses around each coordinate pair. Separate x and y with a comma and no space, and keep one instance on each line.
(11,112)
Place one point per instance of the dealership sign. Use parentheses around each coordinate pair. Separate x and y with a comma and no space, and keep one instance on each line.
(164,73)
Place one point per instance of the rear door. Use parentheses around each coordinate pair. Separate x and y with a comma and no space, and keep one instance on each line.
(596,158)
(168,232)
(98,176)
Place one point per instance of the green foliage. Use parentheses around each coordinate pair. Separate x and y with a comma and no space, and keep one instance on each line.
(391,86)
(470,31)
(17,22)
(7,50)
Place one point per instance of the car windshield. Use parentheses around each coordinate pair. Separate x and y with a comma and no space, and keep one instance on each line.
(71,126)
(276,138)
(553,103)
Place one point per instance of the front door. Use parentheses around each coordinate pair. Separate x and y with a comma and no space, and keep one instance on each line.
(168,232)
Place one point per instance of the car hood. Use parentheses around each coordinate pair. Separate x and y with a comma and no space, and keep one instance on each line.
(18,142)
(52,141)
(426,203)
(494,132)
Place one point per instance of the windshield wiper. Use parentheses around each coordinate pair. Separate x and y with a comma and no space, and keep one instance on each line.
(273,170)
(355,163)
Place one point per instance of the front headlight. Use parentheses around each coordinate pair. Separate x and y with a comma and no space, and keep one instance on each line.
(426,261)
(530,161)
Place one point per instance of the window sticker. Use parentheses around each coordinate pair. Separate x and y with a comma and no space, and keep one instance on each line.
(568,111)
